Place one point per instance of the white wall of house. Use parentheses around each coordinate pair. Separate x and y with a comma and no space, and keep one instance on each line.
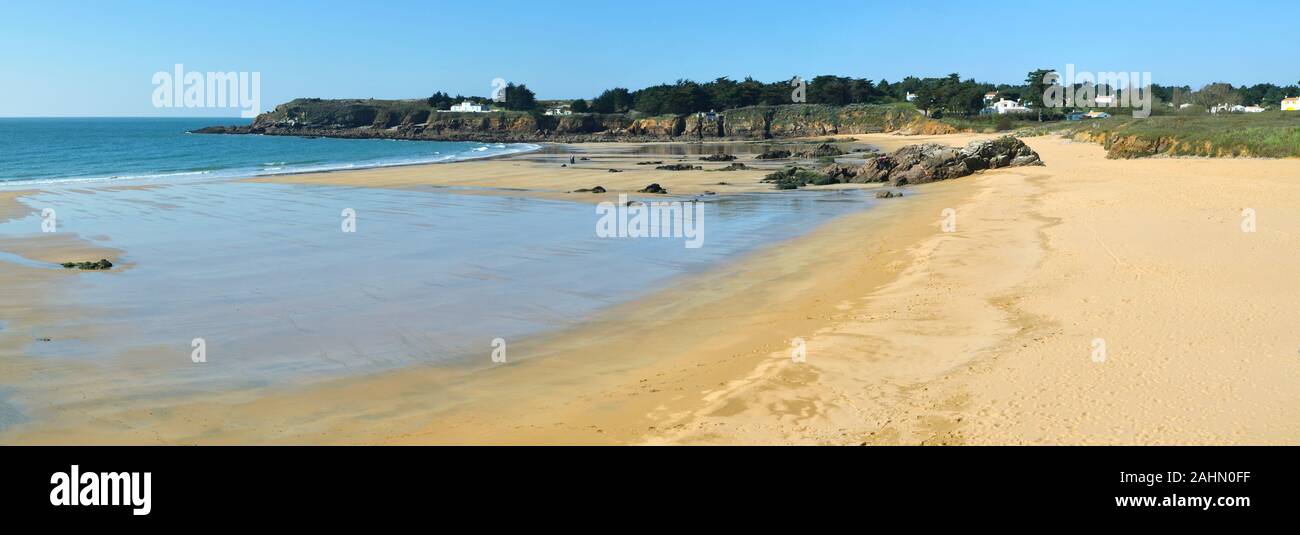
(468,106)
(1005,106)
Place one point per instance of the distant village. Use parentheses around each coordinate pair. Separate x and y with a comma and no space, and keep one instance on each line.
(993,106)
(1002,106)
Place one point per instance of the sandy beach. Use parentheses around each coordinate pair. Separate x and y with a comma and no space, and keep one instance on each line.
(985,335)
(548,174)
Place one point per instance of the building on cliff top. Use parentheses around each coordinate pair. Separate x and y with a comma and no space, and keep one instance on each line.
(1291,104)
(468,107)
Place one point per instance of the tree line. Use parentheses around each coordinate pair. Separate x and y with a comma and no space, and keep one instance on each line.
(515,97)
(948,95)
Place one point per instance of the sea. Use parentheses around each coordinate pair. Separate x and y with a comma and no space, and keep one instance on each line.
(44,150)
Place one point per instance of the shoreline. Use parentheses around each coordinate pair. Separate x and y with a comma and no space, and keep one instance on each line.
(884,142)
(31,185)
(341,403)
(34,434)
(539,174)
(912,335)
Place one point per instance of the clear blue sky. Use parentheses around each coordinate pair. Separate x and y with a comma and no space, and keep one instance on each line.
(90,58)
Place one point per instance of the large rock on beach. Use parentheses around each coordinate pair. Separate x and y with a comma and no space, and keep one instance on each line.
(102,264)
(919,164)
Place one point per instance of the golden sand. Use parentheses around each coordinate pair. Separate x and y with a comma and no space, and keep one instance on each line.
(541,175)
(10,208)
(985,335)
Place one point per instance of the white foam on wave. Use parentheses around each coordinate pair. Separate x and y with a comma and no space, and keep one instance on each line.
(280,168)
(26,183)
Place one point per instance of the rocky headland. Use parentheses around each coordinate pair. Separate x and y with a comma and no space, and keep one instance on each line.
(415,120)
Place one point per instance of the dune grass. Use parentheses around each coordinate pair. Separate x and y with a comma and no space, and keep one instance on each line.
(1272,134)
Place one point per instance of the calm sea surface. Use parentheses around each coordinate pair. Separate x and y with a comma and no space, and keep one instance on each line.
(161,150)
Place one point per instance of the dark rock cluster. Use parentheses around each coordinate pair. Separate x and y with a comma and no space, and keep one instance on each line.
(734,166)
(102,264)
(820,151)
(775,154)
(919,164)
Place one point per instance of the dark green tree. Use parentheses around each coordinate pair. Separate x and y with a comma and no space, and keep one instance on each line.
(1036,84)
(616,100)
(440,101)
(520,98)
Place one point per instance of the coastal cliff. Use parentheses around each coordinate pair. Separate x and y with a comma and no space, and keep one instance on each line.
(414,119)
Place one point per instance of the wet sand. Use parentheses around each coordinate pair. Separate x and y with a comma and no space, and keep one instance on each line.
(985,335)
(10,208)
(541,174)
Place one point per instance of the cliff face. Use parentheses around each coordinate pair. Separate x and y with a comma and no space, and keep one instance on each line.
(761,122)
(1121,146)
(413,119)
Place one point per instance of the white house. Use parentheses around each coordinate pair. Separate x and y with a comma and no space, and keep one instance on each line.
(911,96)
(1291,104)
(559,111)
(1236,108)
(469,107)
(1005,106)
(1105,100)
(990,96)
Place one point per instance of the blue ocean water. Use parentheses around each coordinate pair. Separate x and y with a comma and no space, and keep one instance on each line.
(160,149)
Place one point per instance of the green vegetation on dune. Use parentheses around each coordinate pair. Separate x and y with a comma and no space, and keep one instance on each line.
(1273,134)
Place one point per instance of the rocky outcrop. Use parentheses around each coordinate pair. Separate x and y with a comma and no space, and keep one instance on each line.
(794,178)
(807,120)
(101,265)
(919,164)
(1131,146)
(773,154)
(841,173)
(735,166)
(820,151)
(415,120)
(1123,145)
